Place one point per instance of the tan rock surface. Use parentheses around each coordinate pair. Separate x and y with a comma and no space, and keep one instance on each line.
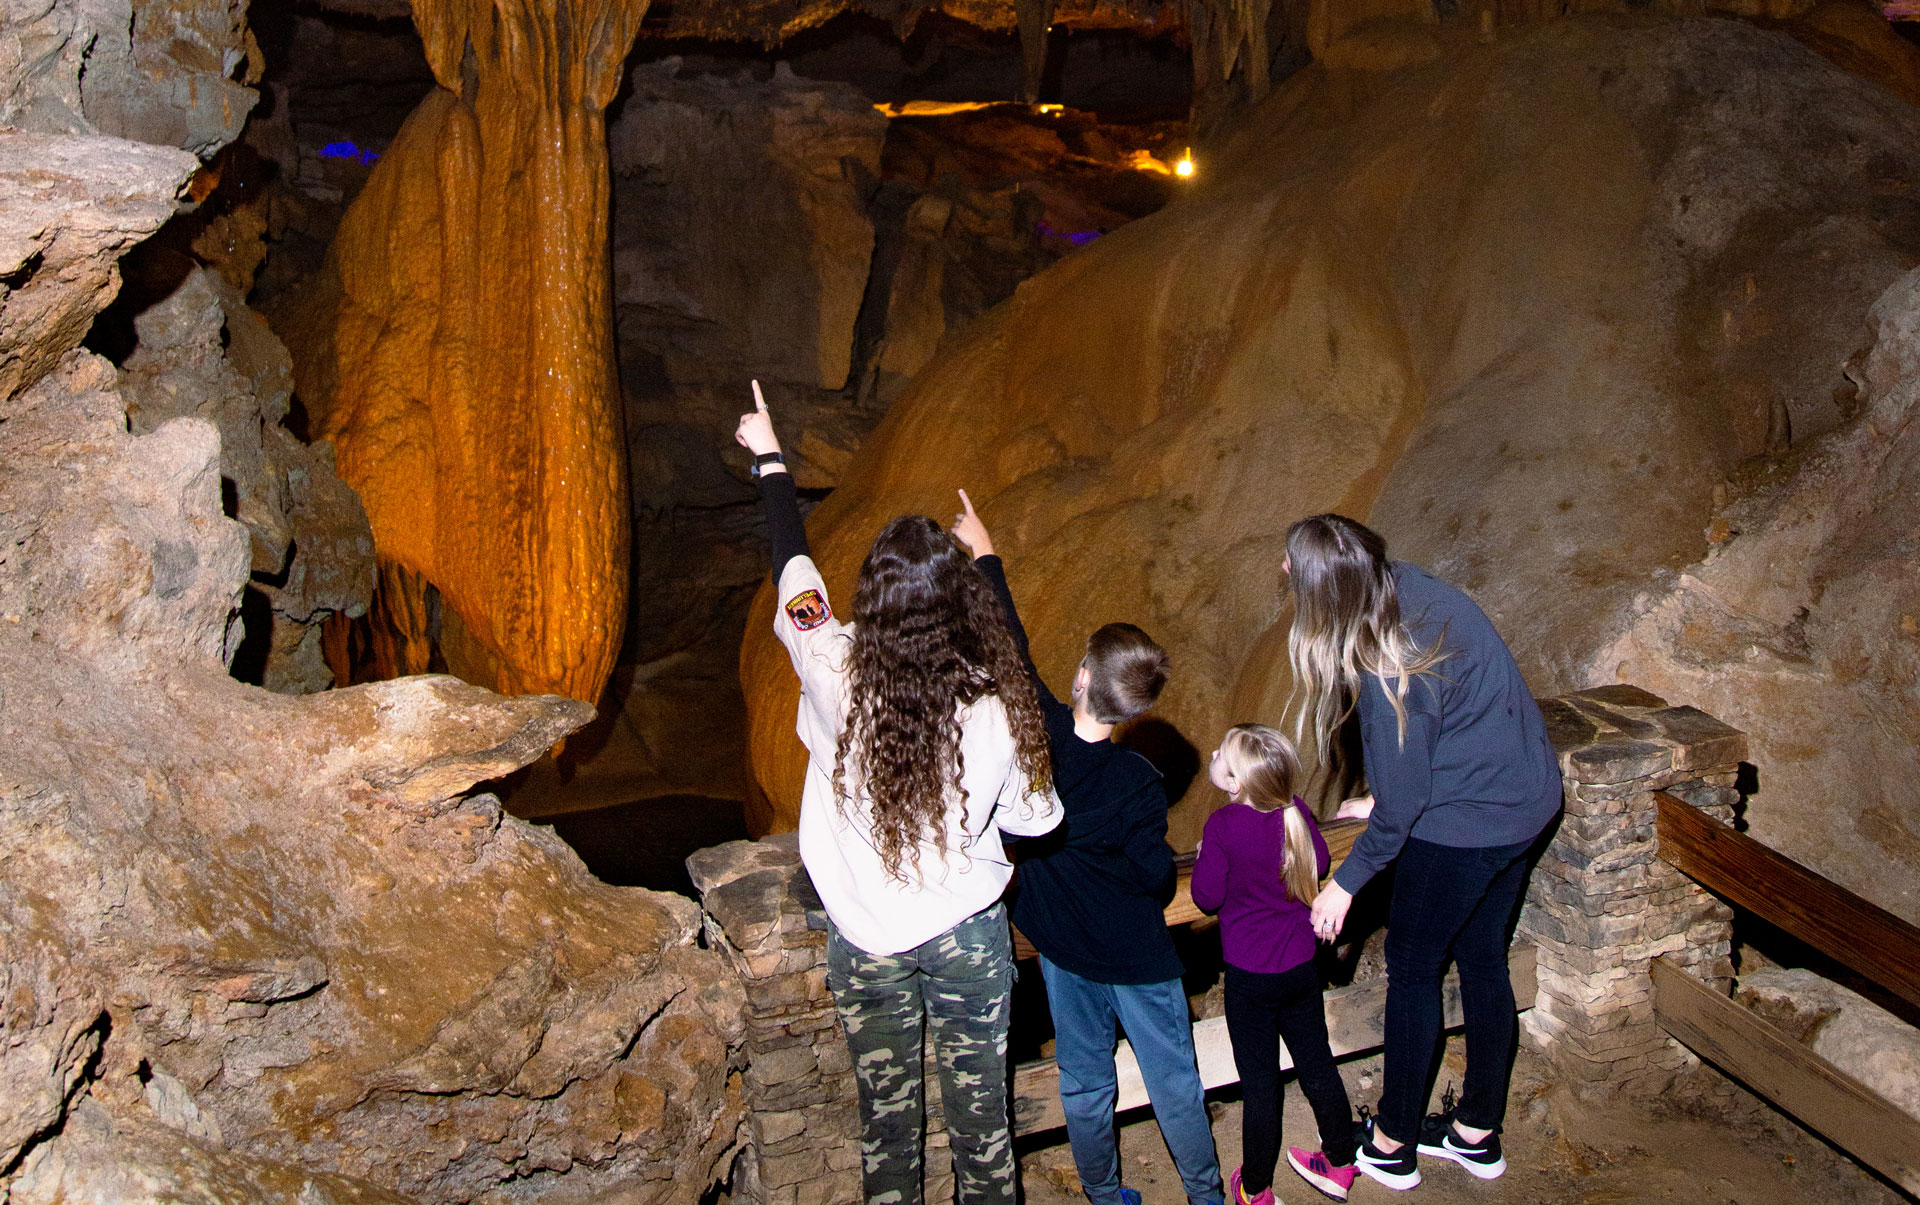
(1845,1028)
(203,353)
(267,948)
(1524,304)
(173,72)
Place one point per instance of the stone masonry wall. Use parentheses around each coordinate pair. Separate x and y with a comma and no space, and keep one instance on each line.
(1602,905)
(803,1137)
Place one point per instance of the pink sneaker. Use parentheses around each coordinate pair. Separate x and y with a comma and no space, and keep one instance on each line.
(1236,1195)
(1317,1170)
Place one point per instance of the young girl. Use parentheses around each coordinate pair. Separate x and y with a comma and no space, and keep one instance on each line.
(924,740)
(1261,860)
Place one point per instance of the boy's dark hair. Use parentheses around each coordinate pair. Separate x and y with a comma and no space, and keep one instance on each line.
(1126,671)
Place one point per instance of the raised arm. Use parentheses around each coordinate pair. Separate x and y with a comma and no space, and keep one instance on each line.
(789,534)
(970,531)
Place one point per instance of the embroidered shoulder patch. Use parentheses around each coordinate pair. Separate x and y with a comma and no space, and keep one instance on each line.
(808,610)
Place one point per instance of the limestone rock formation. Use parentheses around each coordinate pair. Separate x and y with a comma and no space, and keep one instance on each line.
(1527,304)
(202,352)
(268,948)
(1801,623)
(172,72)
(64,221)
(723,186)
(1845,1028)
(458,352)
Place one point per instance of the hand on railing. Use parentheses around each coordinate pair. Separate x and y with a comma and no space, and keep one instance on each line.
(1358,808)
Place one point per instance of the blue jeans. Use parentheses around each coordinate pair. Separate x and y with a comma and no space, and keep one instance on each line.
(1154,1016)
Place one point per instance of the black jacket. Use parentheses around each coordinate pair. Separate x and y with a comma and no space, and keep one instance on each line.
(1091,895)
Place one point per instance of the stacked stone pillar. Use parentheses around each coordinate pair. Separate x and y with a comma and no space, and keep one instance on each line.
(1602,905)
(803,1137)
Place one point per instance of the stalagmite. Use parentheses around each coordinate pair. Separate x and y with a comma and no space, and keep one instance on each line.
(458,352)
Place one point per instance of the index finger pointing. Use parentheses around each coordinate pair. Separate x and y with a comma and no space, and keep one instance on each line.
(759,399)
(966,501)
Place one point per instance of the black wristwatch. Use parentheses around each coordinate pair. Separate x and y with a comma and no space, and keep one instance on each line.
(764,459)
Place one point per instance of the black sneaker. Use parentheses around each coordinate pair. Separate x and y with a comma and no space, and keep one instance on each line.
(1400,1170)
(1439,1138)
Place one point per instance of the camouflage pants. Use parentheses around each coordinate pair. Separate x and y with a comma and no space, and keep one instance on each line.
(961,982)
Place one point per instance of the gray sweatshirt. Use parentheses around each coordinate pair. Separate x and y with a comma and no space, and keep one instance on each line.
(1476,769)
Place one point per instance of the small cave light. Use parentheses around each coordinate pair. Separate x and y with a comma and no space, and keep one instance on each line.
(1184,167)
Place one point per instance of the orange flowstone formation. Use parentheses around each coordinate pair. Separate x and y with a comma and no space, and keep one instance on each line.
(459,353)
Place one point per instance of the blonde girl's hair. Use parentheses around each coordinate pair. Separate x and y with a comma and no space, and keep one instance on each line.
(1346,626)
(1263,762)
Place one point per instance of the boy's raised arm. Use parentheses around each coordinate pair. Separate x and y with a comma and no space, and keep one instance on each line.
(970,531)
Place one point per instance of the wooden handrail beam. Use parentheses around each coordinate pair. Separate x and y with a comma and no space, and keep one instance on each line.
(1850,1114)
(1813,908)
(1339,834)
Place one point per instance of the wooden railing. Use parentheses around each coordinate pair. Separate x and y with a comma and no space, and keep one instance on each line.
(1338,834)
(1827,917)
(1355,1015)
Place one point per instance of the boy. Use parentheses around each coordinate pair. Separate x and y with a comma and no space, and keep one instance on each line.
(1090,897)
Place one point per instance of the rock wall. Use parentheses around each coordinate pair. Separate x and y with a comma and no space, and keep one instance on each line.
(1529,305)
(724,186)
(173,72)
(268,948)
(202,352)
(1801,622)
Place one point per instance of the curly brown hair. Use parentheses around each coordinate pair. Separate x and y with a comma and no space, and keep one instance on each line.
(928,638)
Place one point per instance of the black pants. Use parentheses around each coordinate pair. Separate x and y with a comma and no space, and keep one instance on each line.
(1458,903)
(1263,1010)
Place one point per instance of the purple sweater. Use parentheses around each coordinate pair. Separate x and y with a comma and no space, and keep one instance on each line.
(1238,876)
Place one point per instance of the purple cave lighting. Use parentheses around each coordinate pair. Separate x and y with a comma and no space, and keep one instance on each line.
(1078,238)
(350,150)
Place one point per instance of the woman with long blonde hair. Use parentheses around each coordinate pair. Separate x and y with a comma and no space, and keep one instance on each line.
(925,741)
(1464,782)
(1261,858)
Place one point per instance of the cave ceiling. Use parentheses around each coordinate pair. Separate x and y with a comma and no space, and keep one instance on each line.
(773,21)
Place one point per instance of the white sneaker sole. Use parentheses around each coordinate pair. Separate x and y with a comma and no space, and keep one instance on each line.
(1483,1171)
(1326,1187)
(1381,1175)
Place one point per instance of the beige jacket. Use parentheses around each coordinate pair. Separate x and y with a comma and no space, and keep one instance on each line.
(875,912)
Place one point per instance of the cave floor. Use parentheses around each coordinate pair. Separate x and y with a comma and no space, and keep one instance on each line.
(1707,1141)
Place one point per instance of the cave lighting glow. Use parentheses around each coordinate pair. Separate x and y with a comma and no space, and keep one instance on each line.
(347,150)
(1184,168)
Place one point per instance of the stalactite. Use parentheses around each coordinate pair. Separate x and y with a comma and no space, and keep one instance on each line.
(460,355)
(1035,18)
(1226,34)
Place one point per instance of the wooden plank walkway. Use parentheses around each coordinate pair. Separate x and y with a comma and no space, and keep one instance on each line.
(1355,1023)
